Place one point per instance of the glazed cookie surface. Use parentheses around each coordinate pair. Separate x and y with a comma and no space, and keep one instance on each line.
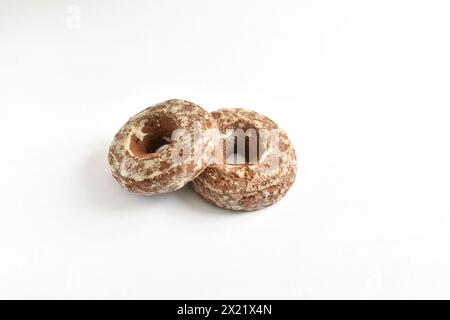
(163,147)
(256,181)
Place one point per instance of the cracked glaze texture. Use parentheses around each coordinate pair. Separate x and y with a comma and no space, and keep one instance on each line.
(144,156)
(248,187)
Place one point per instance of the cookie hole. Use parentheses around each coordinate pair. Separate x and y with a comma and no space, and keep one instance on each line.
(153,145)
(157,137)
(247,147)
(149,145)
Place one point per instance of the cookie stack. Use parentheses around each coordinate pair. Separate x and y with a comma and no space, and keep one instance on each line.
(236,159)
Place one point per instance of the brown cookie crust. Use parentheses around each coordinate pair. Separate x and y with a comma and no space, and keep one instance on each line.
(142,155)
(248,187)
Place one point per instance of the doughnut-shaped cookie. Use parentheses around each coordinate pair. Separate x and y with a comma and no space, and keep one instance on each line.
(163,147)
(257,181)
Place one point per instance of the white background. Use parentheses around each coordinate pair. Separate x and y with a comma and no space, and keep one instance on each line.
(361,87)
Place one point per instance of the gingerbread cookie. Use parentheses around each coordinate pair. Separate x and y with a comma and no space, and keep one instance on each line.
(163,147)
(267,168)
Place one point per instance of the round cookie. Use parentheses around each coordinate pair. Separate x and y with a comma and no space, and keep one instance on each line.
(163,147)
(257,181)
